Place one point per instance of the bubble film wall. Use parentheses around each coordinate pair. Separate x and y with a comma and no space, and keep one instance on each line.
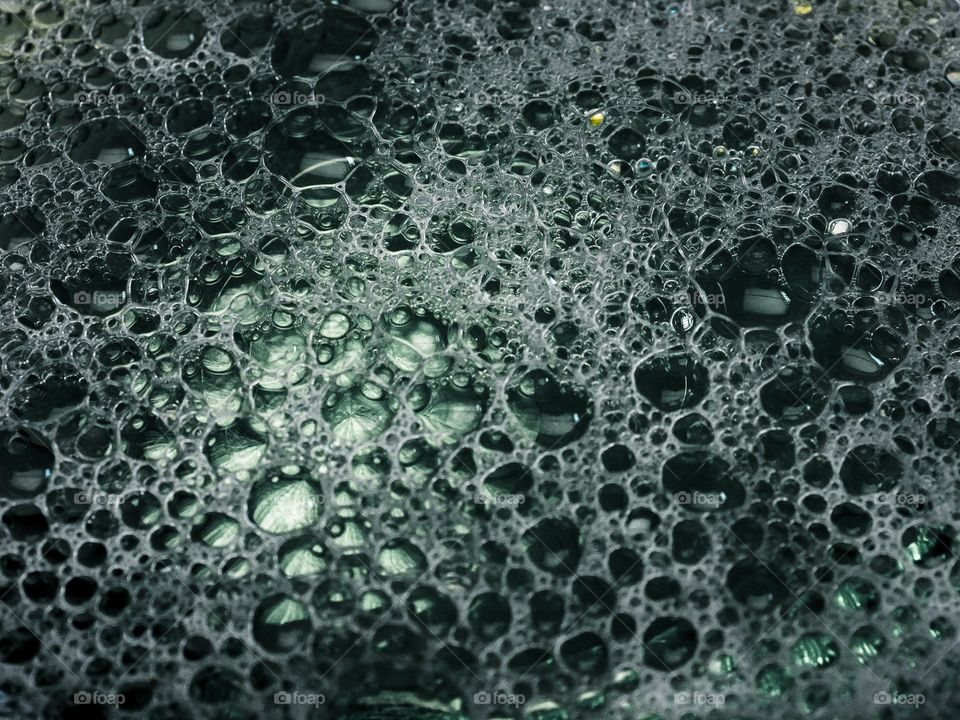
(447,360)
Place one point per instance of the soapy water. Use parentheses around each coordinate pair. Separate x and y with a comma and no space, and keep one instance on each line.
(388,359)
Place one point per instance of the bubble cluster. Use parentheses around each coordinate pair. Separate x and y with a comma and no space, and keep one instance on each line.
(401,359)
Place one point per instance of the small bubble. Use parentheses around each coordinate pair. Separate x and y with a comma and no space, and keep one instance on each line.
(840,226)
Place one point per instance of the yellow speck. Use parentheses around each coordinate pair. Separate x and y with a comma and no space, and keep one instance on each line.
(802,8)
(597,118)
